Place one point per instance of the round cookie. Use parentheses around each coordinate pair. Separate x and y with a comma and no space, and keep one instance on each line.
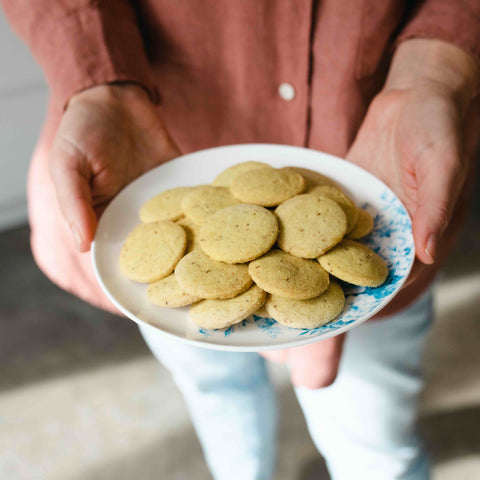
(225,178)
(239,233)
(193,233)
(312,313)
(349,208)
(164,206)
(152,250)
(282,274)
(355,263)
(309,225)
(312,178)
(168,293)
(203,277)
(267,187)
(204,201)
(363,226)
(223,313)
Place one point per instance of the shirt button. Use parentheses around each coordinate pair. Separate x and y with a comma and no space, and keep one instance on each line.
(286,91)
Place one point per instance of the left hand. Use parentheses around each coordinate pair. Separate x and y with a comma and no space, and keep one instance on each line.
(418,137)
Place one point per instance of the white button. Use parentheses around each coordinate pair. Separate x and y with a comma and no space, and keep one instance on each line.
(286,91)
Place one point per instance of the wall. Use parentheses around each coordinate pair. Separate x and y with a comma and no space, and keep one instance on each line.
(23,95)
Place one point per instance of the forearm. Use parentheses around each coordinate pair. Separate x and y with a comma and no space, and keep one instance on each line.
(435,64)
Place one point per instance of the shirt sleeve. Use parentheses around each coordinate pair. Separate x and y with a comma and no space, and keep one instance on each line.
(82,43)
(454,21)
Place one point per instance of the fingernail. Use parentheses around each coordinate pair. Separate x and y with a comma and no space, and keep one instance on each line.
(431,247)
(76,237)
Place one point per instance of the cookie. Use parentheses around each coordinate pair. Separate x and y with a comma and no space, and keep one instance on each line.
(282,274)
(312,313)
(165,205)
(192,230)
(152,250)
(309,225)
(168,293)
(239,233)
(203,277)
(267,187)
(262,312)
(349,208)
(225,178)
(312,178)
(204,201)
(363,226)
(355,263)
(223,313)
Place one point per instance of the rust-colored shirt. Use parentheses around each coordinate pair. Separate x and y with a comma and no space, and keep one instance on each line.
(299,72)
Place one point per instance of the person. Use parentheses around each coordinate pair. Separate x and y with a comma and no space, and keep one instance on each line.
(389,85)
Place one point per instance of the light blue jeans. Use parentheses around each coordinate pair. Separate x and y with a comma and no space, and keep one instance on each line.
(364,424)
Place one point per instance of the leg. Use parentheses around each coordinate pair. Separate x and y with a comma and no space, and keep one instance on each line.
(364,424)
(231,403)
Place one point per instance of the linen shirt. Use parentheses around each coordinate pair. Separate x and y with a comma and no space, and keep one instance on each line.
(298,72)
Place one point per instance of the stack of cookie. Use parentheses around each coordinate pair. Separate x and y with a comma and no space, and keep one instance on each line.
(258,240)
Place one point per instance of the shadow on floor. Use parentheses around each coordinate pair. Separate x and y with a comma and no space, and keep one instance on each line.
(47,332)
(452,434)
(183,450)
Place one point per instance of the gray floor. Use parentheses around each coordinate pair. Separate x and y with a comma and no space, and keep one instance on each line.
(82,399)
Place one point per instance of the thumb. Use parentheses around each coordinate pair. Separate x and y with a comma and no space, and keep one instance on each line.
(71,178)
(439,183)
(316,365)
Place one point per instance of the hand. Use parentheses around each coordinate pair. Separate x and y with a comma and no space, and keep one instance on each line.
(108,136)
(418,136)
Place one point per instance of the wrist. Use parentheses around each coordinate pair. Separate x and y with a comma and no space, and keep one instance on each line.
(435,65)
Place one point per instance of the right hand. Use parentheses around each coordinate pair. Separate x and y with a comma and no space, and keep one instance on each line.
(108,136)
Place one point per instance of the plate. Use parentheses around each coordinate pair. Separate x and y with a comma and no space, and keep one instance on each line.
(391,238)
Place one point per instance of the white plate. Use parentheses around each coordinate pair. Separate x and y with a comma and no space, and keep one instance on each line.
(391,238)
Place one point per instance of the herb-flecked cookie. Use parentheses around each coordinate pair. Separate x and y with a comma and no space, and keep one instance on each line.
(223,313)
(239,233)
(168,293)
(355,263)
(282,274)
(312,178)
(309,225)
(152,250)
(363,226)
(203,277)
(267,187)
(225,178)
(204,201)
(349,208)
(312,313)
(165,205)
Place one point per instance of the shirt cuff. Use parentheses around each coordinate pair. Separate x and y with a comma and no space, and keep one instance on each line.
(93,45)
(456,22)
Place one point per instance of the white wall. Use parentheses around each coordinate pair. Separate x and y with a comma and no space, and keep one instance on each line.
(23,95)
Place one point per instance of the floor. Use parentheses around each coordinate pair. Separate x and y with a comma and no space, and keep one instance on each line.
(82,399)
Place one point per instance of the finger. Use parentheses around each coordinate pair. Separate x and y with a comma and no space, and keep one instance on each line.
(71,180)
(277,356)
(438,187)
(316,366)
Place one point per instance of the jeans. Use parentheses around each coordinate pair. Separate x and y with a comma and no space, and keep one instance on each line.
(363,424)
